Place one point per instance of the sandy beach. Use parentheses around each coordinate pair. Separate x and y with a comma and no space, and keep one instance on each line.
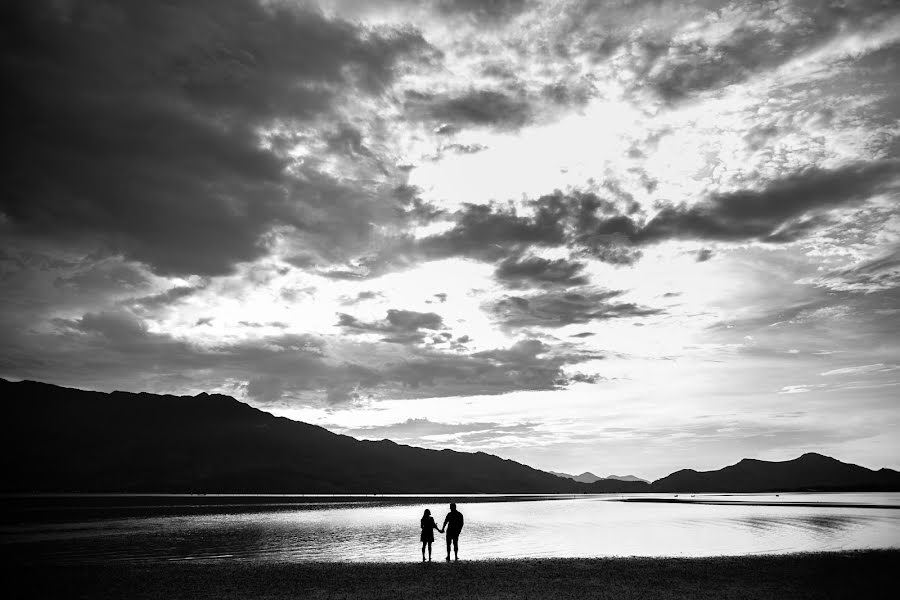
(859,574)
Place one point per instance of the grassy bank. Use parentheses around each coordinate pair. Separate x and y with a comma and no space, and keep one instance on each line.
(864,574)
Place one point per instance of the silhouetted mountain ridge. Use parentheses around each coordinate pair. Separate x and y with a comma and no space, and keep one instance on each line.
(808,472)
(61,439)
(66,440)
(588,477)
(626,478)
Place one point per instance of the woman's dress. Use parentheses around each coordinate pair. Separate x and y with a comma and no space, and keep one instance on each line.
(428,527)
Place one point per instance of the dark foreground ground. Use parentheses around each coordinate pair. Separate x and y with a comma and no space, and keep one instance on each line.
(858,575)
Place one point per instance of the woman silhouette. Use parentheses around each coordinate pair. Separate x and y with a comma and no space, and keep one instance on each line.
(427,537)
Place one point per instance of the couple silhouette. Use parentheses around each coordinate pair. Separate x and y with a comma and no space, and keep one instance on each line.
(453,522)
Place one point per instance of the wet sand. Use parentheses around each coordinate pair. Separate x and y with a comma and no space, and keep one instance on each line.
(858,574)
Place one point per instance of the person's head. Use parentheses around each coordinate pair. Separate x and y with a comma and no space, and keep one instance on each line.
(453,506)
(427,514)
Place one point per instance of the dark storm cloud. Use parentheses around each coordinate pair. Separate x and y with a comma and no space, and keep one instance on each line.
(783,211)
(696,66)
(526,365)
(117,326)
(164,299)
(704,254)
(101,276)
(483,9)
(569,94)
(496,231)
(523,351)
(533,270)
(131,125)
(484,108)
(614,230)
(558,309)
(667,47)
(490,232)
(510,106)
(266,389)
(401,326)
(489,13)
(347,140)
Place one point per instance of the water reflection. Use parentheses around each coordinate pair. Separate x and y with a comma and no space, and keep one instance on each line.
(819,526)
(388,530)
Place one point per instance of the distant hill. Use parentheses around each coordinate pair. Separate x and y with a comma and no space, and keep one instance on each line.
(65,440)
(626,478)
(588,477)
(809,472)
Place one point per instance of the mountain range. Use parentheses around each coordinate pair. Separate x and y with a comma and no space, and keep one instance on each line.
(60,439)
(809,472)
(588,477)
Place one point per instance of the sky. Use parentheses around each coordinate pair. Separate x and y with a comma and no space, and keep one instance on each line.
(619,236)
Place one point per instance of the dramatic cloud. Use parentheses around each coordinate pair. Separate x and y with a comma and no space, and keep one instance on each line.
(474,107)
(120,327)
(558,309)
(783,211)
(139,127)
(709,60)
(265,389)
(480,9)
(582,221)
(533,270)
(526,365)
(164,299)
(614,231)
(401,326)
(643,225)
(490,232)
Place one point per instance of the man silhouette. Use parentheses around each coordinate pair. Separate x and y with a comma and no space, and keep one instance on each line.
(453,522)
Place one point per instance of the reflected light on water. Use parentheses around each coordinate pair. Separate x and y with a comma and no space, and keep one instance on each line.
(388,530)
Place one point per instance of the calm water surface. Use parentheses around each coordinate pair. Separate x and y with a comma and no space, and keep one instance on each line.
(153,529)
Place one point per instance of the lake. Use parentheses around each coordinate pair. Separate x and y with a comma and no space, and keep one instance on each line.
(123,528)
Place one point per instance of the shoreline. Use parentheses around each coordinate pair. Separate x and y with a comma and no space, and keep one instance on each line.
(850,574)
(755,503)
